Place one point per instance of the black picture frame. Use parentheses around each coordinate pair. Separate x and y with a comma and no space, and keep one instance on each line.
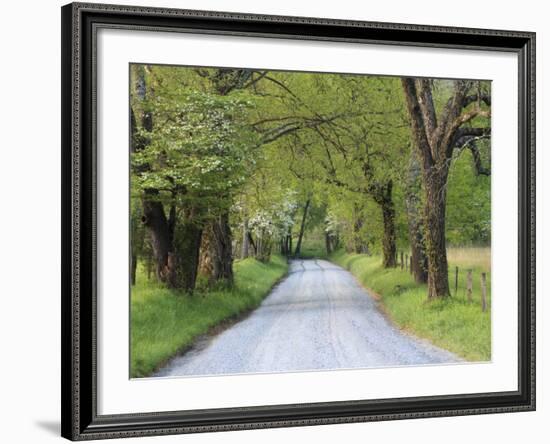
(79,395)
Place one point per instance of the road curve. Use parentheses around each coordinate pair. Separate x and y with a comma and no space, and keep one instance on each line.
(318,318)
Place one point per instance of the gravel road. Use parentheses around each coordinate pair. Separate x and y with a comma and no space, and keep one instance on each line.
(318,318)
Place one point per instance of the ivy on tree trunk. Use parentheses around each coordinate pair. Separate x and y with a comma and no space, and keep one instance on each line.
(419,260)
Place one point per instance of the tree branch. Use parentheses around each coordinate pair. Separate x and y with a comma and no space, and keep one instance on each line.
(470,142)
(291,127)
(417,121)
(425,102)
(256,80)
(472,131)
(486,98)
(480,169)
(469,115)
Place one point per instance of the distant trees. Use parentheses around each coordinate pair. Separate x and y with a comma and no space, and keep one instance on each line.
(363,153)
(235,163)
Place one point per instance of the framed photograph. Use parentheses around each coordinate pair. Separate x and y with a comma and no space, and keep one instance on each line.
(280,221)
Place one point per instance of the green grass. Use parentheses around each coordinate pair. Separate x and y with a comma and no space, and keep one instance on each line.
(164,322)
(453,324)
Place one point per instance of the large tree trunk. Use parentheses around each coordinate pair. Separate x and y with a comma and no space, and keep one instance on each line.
(221,247)
(436,250)
(435,138)
(160,227)
(419,260)
(183,260)
(302,228)
(383,196)
(155,220)
(205,255)
(175,246)
(216,251)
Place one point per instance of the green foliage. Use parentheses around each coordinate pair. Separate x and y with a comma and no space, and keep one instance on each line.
(263,150)
(200,147)
(163,321)
(453,323)
(468,204)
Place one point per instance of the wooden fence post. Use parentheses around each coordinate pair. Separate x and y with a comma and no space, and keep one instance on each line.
(469,286)
(456,280)
(483,292)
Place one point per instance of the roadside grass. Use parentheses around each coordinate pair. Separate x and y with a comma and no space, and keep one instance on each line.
(454,324)
(165,322)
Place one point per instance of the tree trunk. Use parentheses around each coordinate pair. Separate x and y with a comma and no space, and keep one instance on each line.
(287,243)
(183,261)
(244,251)
(335,242)
(205,255)
(302,228)
(388,241)
(223,256)
(149,265)
(357,225)
(435,138)
(289,247)
(264,247)
(252,244)
(328,245)
(436,250)
(259,246)
(175,246)
(155,220)
(383,196)
(153,217)
(133,265)
(419,260)
(360,246)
